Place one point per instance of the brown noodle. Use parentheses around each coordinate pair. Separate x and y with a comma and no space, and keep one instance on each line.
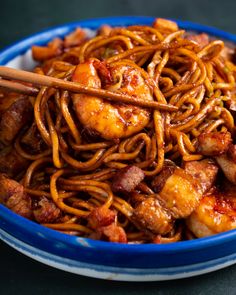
(77,173)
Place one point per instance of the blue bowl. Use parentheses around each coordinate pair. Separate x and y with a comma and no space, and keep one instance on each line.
(103,259)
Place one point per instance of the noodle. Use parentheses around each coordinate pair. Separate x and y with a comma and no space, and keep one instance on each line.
(76,165)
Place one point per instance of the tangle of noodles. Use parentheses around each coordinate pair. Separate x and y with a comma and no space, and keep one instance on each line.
(76,164)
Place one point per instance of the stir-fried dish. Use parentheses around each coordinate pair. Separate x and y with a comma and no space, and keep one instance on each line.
(120,172)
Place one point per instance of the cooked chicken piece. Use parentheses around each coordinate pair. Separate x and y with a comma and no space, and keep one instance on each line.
(160,180)
(231,152)
(104,30)
(214,143)
(180,194)
(216,213)
(12,195)
(53,49)
(11,163)
(75,38)
(126,179)
(165,25)
(227,52)
(204,172)
(150,215)
(46,211)
(228,166)
(18,114)
(115,120)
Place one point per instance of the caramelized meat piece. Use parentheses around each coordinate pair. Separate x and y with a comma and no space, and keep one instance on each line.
(32,139)
(165,25)
(11,163)
(7,99)
(214,143)
(14,118)
(113,233)
(228,166)
(20,204)
(180,194)
(8,187)
(150,215)
(75,38)
(104,30)
(227,53)
(103,221)
(100,217)
(231,152)
(160,180)
(201,39)
(53,49)
(204,172)
(127,179)
(12,195)
(46,211)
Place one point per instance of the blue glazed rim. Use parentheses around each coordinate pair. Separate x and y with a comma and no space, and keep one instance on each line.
(45,36)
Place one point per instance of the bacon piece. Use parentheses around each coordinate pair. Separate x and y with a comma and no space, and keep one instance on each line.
(165,25)
(12,195)
(100,217)
(11,163)
(113,233)
(214,143)
(32,139)
(18,114)
(126,179)
(46,211)
(204,172)
(150,215)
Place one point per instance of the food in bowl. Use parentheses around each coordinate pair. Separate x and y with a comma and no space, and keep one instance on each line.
(144,153)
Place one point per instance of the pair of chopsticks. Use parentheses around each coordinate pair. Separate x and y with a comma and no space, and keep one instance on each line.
(41,80)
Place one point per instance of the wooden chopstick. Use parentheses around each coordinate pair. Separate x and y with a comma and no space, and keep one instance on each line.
(37,79)
(18,87)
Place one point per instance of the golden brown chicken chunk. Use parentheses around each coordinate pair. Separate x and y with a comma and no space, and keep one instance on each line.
(214,143)
(228,166)
(53,49)
(204,172)
(150,215)
(179,194)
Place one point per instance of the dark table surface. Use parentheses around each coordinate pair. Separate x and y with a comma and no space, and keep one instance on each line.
(18,273)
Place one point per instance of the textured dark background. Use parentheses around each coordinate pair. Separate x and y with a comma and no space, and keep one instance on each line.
(21,275)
